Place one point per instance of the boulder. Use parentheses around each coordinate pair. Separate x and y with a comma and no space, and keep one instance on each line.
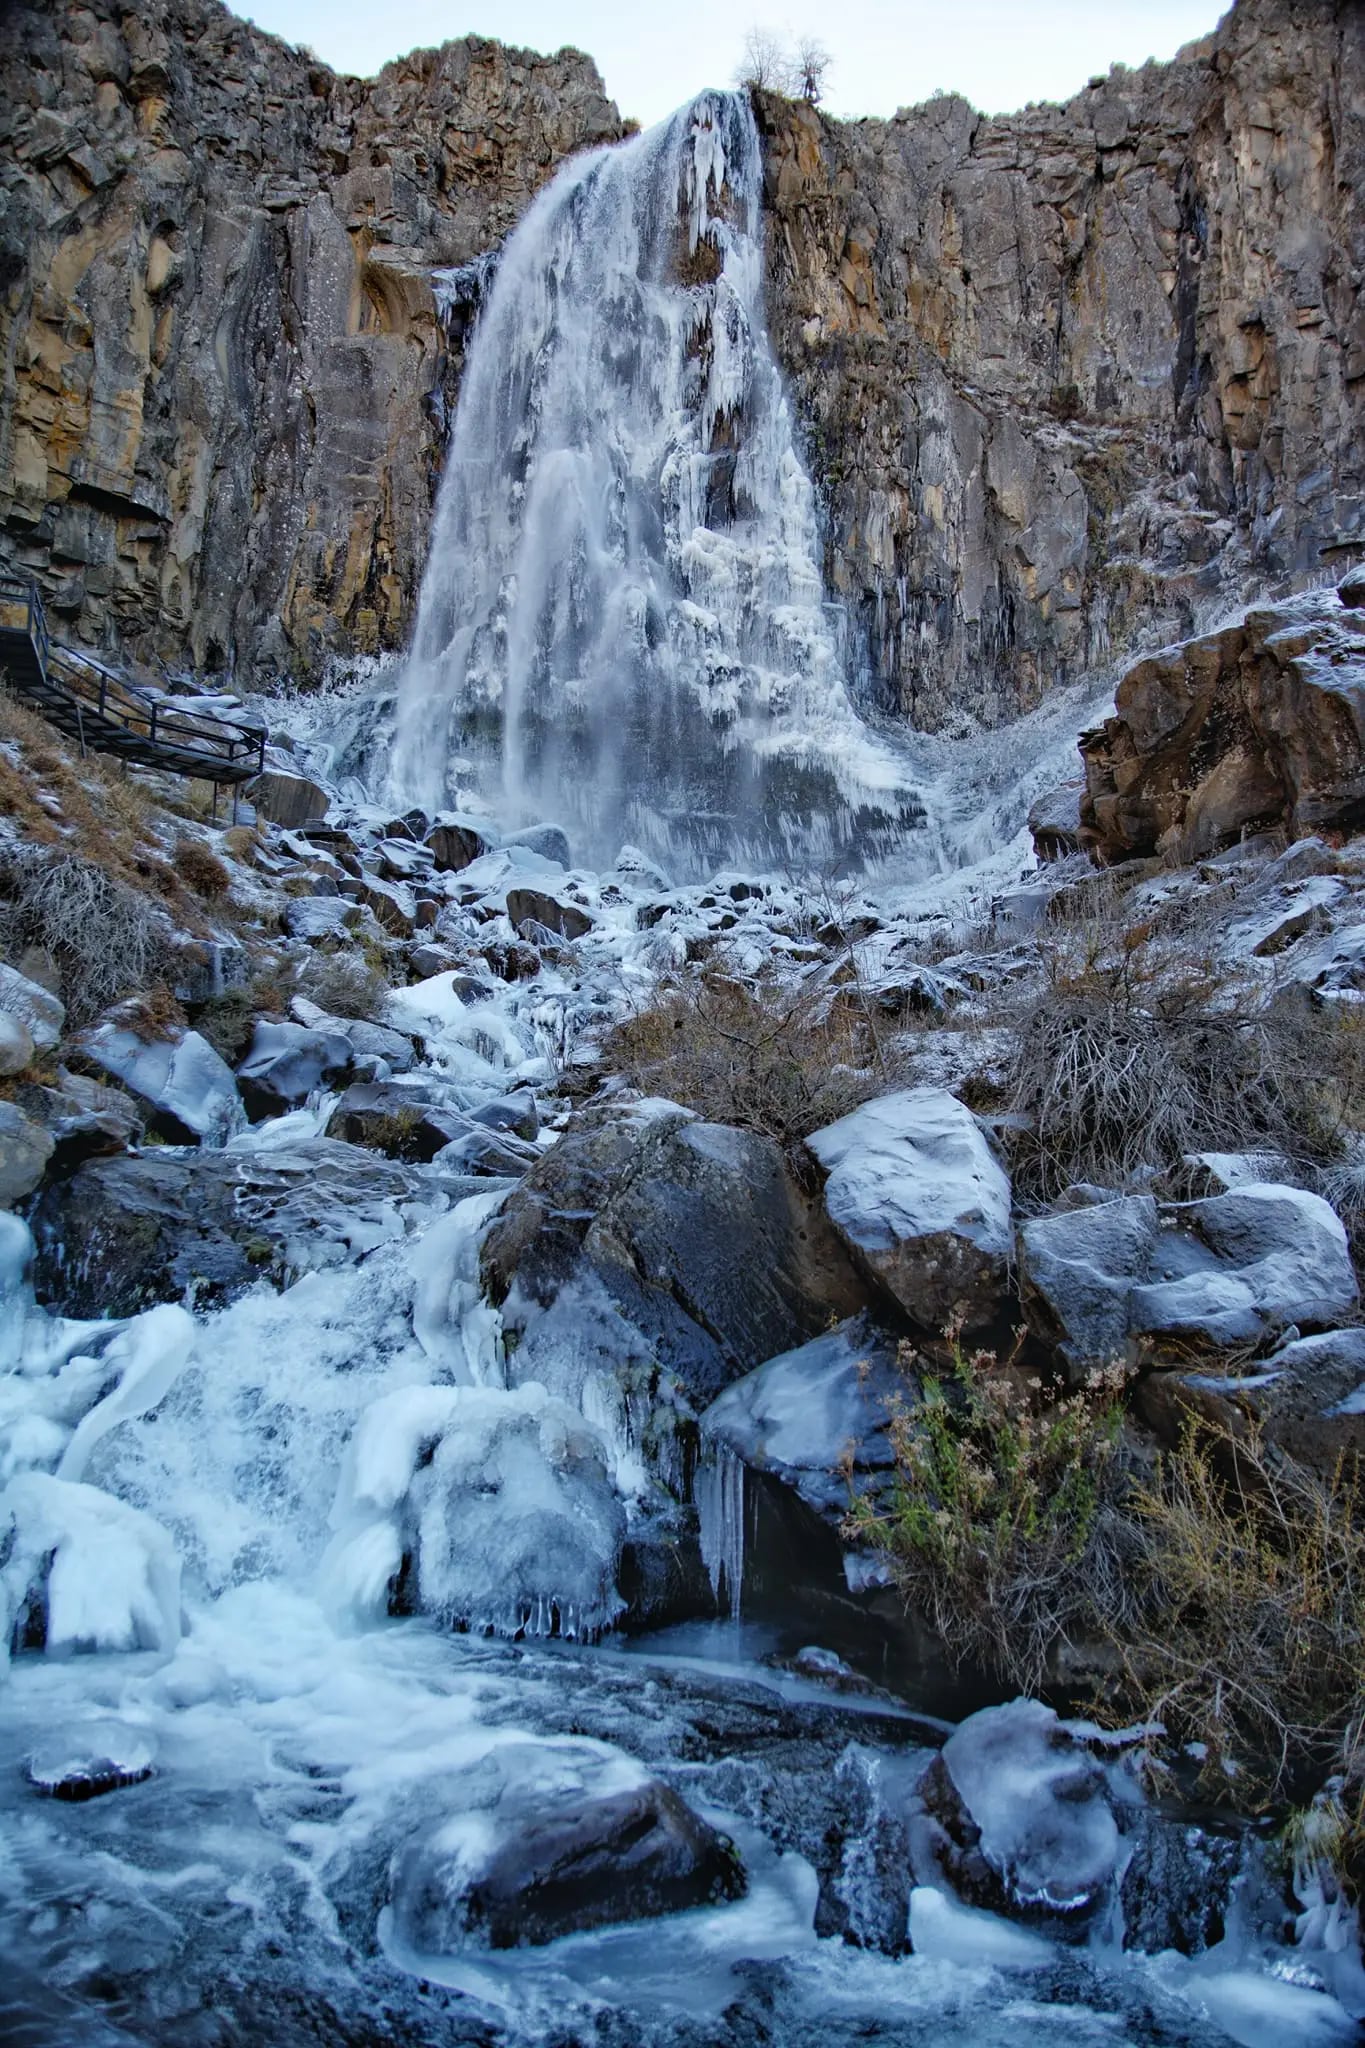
(455,842)
(16,1045)
(286,799)
(42,1015)
(552,1838)
(1228,1269)
(916,1193)
(89,1759)
(322,917)
(549,841)
(697,1234)
(1025,1819)
(400,1122)
(392,904)
(527,907)
(1308,1399)
(490,1508)
(817,1417)
(286,1063)
(25,1149)
(187,1090)
(121,1234)
(1258,726)
(1055,822)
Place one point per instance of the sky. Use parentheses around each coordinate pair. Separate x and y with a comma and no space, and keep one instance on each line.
(884,53)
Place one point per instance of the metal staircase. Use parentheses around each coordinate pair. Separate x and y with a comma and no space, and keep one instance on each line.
(105,714)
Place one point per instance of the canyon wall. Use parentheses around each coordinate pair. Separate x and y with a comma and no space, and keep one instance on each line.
(1067,379)
(226,382)
(1072,376)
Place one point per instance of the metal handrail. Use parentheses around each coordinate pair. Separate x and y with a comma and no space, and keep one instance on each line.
(88,682)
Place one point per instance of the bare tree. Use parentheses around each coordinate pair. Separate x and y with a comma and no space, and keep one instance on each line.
(765,63)
(811,69)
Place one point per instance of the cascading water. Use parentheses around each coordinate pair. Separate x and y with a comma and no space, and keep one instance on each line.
(622,623)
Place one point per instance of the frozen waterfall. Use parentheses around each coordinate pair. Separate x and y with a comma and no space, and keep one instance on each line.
(622,622)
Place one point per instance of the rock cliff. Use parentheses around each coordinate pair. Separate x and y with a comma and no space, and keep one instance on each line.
(1071,375)
(226,378)
(1069,379)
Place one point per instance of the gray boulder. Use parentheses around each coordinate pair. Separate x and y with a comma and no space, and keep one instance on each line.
(1231,1268)
(549,841)
(552,1839)
(817,1417)
(187,1090)
(287,799)
(121,1234)
(701,1240)
(400,1122)
(286,1063)
(16,1045)
(916,1193)
(322,917)
(455,841)
(36,1008)
(25,1149)
(1308,1399)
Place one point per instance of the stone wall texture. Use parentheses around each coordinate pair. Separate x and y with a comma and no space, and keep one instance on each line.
(1067,379)
(225,379)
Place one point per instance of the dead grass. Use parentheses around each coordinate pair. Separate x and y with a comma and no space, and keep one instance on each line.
(759,1054)
(199,866)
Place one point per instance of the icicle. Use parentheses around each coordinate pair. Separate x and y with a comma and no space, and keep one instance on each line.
(720,1498)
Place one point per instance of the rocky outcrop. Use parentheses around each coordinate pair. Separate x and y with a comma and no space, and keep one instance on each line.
(230,376)
(1070,374)
(1260,725)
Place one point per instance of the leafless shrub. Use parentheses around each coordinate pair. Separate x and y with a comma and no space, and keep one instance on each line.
(765,1056)
(107,940)
(765,63)
(199,866)
(345,985)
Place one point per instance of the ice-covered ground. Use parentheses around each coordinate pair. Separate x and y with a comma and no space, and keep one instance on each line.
(205,1511)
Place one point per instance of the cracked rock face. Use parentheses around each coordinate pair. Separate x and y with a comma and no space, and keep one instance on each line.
(1069,379)
(231,380)
(1070,376)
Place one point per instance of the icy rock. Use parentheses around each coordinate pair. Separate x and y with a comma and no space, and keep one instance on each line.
(501,1501)
(526,907)
(36,1008)
(636,868)
(455,841)
(696,1234)
(368,1040)
(1055,821)
(1025,1818)
(25,1149)
(812,1413)
(392,904)
(386,1117)
(552,1838)
(83,1571)
(476,1149)
(321,917)
(121,1234)
(90,1759)
(286,1063)
(1226,1269)
(549,841)
(917,1195)
(188,1090)
(1336,967)
(16,1044)
(148,1357)
(287,799)
(1308,1398)
(516,1113)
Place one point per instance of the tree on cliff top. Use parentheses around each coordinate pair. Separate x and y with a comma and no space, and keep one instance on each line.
(769,65)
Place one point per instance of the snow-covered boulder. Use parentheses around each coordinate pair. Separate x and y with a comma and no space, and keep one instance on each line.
(403,1123)
(920,1199)
(322,917)
(1022,1816)
(83,1571)
(286,1063)
(1226,1269)
(187,1089)
(25,1149)
(529,908)
(88,1758)
(37,1009)
(455,841)
(546,1838)
(549,841)
(814,1414)
(500,1503)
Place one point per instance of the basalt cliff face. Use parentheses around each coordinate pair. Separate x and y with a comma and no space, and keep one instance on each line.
(226,380)
(1069,375)
(1066,378)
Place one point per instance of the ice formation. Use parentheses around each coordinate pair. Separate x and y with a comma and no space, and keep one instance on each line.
(622,621)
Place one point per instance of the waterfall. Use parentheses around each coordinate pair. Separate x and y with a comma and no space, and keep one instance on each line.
(622,623)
